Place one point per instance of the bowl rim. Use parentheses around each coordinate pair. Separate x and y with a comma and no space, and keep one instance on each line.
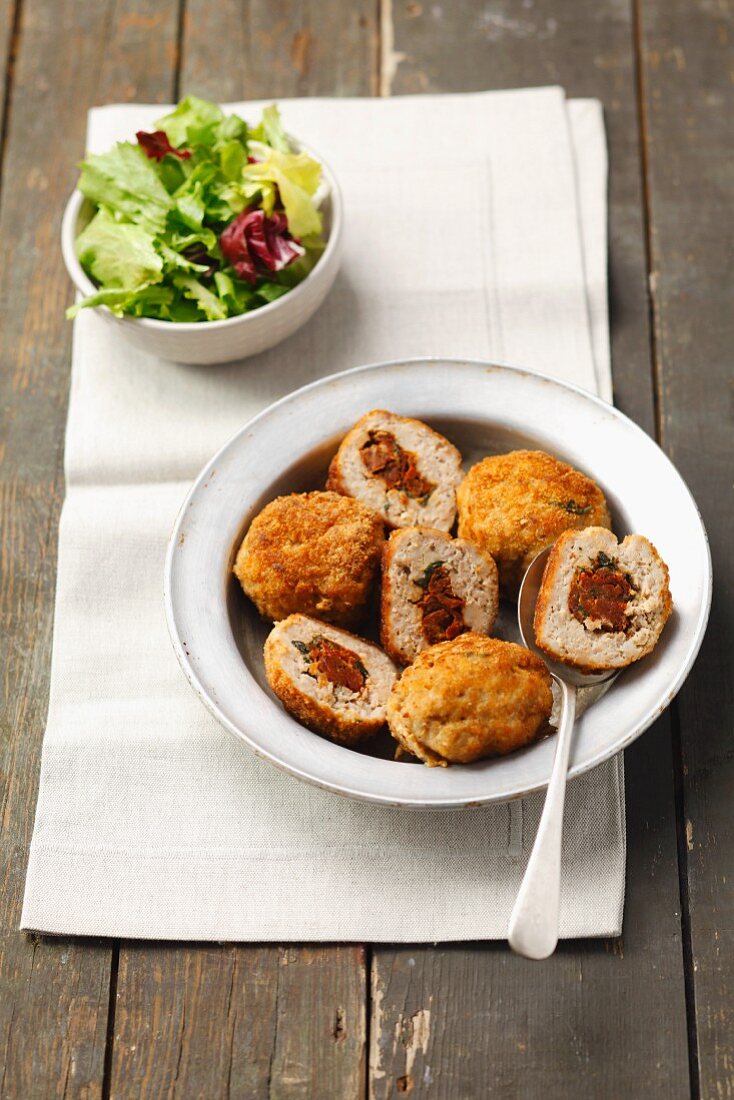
(447,802)
(85,286)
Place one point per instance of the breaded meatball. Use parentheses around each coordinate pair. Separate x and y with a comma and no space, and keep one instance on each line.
(334,682)
(315,553)
(469,698)
(514,505)
(602,604)
(402,468)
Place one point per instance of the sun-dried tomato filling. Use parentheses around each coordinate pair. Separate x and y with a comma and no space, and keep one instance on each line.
(441,609)
(601,594)
(383,456)
(334,662)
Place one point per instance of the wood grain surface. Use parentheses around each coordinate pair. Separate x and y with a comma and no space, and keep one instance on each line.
(648,1015)
(688,47)
(53,994)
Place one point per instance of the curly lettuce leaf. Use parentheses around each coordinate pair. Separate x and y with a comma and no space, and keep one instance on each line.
(297,177)
(193,122)
(270,130)
(210,305)
(126,182)
(119,255)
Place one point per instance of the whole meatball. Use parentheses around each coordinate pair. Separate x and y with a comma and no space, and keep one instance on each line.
(469,698)
(313,553)
(514,505)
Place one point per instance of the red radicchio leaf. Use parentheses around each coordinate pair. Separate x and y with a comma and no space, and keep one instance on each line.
(254,243)
(156,145)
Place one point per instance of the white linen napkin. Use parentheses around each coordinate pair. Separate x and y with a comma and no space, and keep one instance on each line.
(475,226)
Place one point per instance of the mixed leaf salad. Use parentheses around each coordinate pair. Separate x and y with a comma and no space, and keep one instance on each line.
(201,219)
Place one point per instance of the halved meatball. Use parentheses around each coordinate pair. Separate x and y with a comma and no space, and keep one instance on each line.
(334,682)
(602,604)
(316,553)
(434,588)
(470,698)
(514,505)
(401,468)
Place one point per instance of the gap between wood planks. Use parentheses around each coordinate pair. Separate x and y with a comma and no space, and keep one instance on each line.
(675,725)
(7,95)
(110,1033)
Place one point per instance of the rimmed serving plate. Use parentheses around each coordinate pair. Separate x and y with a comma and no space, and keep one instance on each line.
(483,409)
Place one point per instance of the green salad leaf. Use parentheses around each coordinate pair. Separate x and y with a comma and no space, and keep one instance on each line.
(118,254)
(296,177)
(270,131)
(126,182)
(194,122)
(152,245)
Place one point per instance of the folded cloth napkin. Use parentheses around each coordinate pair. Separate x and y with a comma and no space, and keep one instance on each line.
(475,226)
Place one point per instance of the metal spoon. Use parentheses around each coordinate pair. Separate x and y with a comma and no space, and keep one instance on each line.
(533,928)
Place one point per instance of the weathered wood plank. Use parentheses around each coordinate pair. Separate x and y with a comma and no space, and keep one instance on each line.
(252,1021)
(226,1021)
(688,105)
(53,994)
(606,1019)
(279,48)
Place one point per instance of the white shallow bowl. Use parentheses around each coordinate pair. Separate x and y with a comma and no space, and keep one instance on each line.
(484,409)
(207,342)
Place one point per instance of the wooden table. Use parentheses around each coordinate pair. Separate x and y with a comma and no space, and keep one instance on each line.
(648,1015)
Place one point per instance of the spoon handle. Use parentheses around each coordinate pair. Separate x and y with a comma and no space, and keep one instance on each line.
(533,928)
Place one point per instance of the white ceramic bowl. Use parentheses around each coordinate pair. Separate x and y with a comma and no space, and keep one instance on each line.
(218,636)
(237,337)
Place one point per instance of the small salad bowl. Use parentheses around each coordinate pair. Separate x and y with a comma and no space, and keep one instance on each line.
(209,342)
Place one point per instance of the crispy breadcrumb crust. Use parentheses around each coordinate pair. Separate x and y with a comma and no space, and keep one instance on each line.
(470,698)
(386,634)
(543,602)
(514,505)
(316,553)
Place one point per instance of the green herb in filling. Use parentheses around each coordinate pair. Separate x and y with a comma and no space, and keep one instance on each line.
(428,572)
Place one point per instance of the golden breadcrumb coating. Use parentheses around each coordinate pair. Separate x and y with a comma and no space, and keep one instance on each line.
(315,553)
(514,505)
(470,698)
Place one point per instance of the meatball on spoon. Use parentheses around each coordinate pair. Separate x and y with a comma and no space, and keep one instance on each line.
(533,928)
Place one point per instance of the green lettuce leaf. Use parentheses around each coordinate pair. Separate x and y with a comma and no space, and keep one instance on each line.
(126,182)
(209,304)
(237,295)
(115,300)
(118,255)
(194,122)
(297,177)
(271,130)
